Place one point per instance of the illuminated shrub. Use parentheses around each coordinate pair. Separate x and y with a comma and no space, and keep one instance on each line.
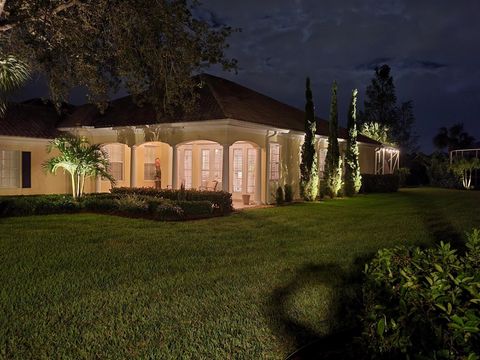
(423,304)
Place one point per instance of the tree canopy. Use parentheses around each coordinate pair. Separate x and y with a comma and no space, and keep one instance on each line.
(150,48)
(382,116)
(453,138)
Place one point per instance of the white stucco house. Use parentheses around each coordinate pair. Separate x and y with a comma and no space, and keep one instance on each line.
(236,140)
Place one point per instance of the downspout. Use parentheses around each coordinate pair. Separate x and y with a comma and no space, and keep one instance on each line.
(267,162)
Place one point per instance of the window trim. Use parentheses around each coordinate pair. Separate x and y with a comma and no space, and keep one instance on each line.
(274,163)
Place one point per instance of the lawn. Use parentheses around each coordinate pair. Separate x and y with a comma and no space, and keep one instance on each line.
(256,284)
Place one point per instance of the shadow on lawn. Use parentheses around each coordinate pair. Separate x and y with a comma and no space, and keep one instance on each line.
(435,220)
(342,327)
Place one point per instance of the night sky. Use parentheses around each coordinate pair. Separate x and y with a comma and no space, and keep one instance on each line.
(433,47)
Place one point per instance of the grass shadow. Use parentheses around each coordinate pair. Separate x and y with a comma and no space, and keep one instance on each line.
(344,306)
(437,224)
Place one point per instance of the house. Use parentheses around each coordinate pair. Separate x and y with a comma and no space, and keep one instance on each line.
(235,139)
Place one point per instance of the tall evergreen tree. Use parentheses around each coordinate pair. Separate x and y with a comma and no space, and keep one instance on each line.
(353,179)
(381,112)
(308,166)
(333,166)
(380,101)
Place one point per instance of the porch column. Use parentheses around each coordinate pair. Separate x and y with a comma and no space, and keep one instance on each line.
(226,168)
(133,166)
(174,167)
(267,167)
(98,184)
(258,177)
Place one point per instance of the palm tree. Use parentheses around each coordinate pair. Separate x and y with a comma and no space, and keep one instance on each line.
(453,138)
(13,74)
(80,159)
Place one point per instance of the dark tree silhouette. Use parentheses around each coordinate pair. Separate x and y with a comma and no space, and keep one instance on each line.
(453,138)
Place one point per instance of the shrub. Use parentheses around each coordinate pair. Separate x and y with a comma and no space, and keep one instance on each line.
(221,200)
(168,211)
(423,303)
(132,204)
(379,183)
(440,174)
(101,204)
(37,205)
(403,173)
(194,209)
(279,196)
(288,190)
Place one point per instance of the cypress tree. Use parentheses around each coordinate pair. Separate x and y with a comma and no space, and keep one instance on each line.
(308,166)
(333,167)
(353,179)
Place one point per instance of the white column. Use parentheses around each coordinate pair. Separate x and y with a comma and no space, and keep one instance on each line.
(258,177)
(267,166)
(226,168)
(98,184)
(174,167)
(133,166)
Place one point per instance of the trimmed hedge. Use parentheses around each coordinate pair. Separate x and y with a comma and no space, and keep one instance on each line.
(116,204)
(221,200)
(37,205)
(379,183)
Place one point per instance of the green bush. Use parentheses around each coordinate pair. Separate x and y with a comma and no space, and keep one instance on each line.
(379,183)
(168,211)
(288,191)
(37,205)
(221,200)
(194,209)
(403,173)
(423,304)
(279,199)
(440,174)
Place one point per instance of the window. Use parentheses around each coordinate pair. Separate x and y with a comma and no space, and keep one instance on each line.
(116,156)
(218,163)
(187,169)
(9,168)
(274,161)
(205,167)
(251,162)
(322,153)
(149,169)
(237,170)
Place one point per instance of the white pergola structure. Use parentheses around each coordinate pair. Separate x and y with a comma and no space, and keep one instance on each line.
(387,160)
(464,153)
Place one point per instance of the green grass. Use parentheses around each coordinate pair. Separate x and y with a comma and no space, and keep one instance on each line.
(256,284)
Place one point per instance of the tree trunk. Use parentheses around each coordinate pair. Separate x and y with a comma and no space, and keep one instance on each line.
(74,192)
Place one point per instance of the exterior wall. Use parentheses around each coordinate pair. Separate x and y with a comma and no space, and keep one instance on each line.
(42,182)
(367,158)
(169,138)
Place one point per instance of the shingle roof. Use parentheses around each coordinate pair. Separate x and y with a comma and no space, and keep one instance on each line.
(33,118)
(218,99)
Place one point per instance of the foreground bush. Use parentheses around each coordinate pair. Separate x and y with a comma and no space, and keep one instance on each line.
(423,304)
(221,200)
(379,183)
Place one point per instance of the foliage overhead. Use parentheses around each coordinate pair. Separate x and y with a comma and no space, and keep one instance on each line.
(308,166)
(453,138)
(151,48)
(376,132)
(13,74)
(333,166)
(353,179)
(80,159)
